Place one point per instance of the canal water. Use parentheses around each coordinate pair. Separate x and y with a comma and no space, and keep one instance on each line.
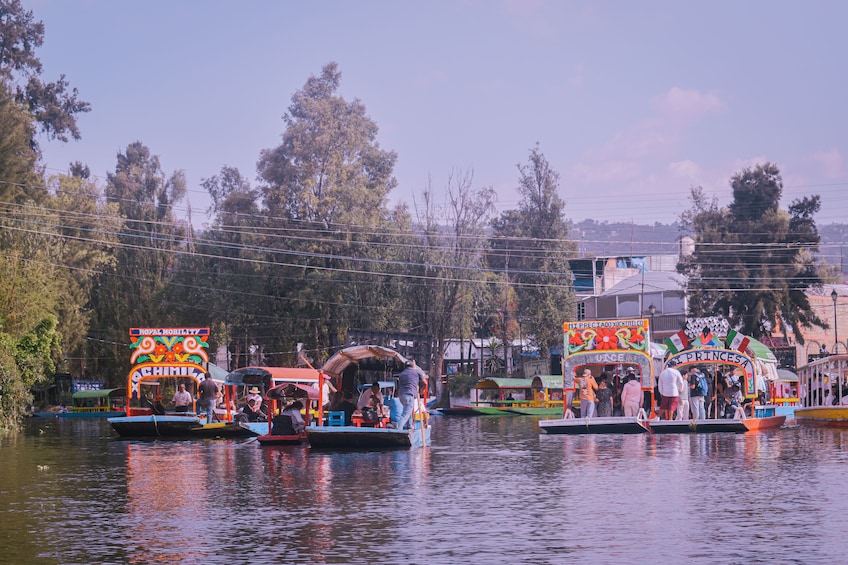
(489,490)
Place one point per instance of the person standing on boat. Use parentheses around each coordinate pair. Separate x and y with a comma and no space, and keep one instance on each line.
(683,398)
(604,394)
(208,394)
(182,399)
(409,383)
(631,395)
(588,386)
(669,387)
(696,395)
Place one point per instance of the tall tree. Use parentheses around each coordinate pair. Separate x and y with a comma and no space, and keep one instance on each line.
(530,246)
(753,262)
(53,105)
(447,263)
(325,190)
(127,295)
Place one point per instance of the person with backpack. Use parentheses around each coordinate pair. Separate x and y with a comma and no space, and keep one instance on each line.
(698,389)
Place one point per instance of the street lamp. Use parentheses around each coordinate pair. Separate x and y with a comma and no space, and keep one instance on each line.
(834,296)
(652,310)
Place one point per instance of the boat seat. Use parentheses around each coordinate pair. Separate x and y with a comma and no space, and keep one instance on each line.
(336,418)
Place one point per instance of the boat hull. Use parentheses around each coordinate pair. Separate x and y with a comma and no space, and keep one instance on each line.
(269,439)
(822,416)
(153,426)
(352,437)
(537,411)
(767,423)
(108,414)
(477,411)
(582,426)
(223,430)
(697,426)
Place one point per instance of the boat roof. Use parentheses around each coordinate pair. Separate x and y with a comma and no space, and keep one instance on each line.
(99,393)
(335,365)
(265,376)
(547,381)
(383,384)
(503,382)
(293,390)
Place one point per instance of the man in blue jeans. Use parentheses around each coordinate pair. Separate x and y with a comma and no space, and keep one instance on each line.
(208,395)
(408,387)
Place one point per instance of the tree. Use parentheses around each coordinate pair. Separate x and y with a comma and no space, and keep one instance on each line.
(53,105)
(753,262)
(325,193)
(530,246)
(329,167)
(447,262)
(128,294)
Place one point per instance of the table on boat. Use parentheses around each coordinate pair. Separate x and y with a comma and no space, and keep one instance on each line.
(361,422)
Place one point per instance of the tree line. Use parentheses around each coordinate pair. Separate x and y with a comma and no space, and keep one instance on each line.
(311,251)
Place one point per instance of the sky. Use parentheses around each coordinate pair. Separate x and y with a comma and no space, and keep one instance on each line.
(632,103)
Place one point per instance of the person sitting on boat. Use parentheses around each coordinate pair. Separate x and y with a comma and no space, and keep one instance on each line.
(253,412)
(293,411)
(253,393)
(348,407)
(368,394)
(395,409)
(182,399)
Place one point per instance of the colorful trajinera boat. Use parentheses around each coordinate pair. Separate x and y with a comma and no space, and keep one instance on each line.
(164,358)
(823,392)
(98,403)
(497,396)
(729,356)
(335,434)
(611,346)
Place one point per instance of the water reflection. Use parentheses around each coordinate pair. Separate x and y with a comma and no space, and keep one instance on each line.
(489,489)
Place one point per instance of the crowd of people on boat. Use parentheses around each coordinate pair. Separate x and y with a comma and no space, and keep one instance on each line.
(694,394)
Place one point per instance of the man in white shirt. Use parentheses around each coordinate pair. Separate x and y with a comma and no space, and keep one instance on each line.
(368,394)
(669,385)
(182,399)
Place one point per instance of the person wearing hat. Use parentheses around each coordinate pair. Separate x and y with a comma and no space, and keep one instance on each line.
(588,386)
(253,394)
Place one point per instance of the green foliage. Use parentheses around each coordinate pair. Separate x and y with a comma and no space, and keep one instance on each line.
(753,262)
(530,247)
(53,105)
(25,362)
(461,384)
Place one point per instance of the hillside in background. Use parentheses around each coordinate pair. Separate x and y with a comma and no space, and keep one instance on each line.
(618,238)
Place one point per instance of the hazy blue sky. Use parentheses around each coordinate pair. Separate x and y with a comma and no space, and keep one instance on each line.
(632,102)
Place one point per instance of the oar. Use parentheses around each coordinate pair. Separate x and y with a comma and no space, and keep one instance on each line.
(421,408)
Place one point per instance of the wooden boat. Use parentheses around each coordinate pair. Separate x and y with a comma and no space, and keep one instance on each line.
(708,351)
(164,358)
(281,430)
(613,346)
(823,393)
(498,396)
(607,425)
(320,435)
(155,425)
(99,403)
